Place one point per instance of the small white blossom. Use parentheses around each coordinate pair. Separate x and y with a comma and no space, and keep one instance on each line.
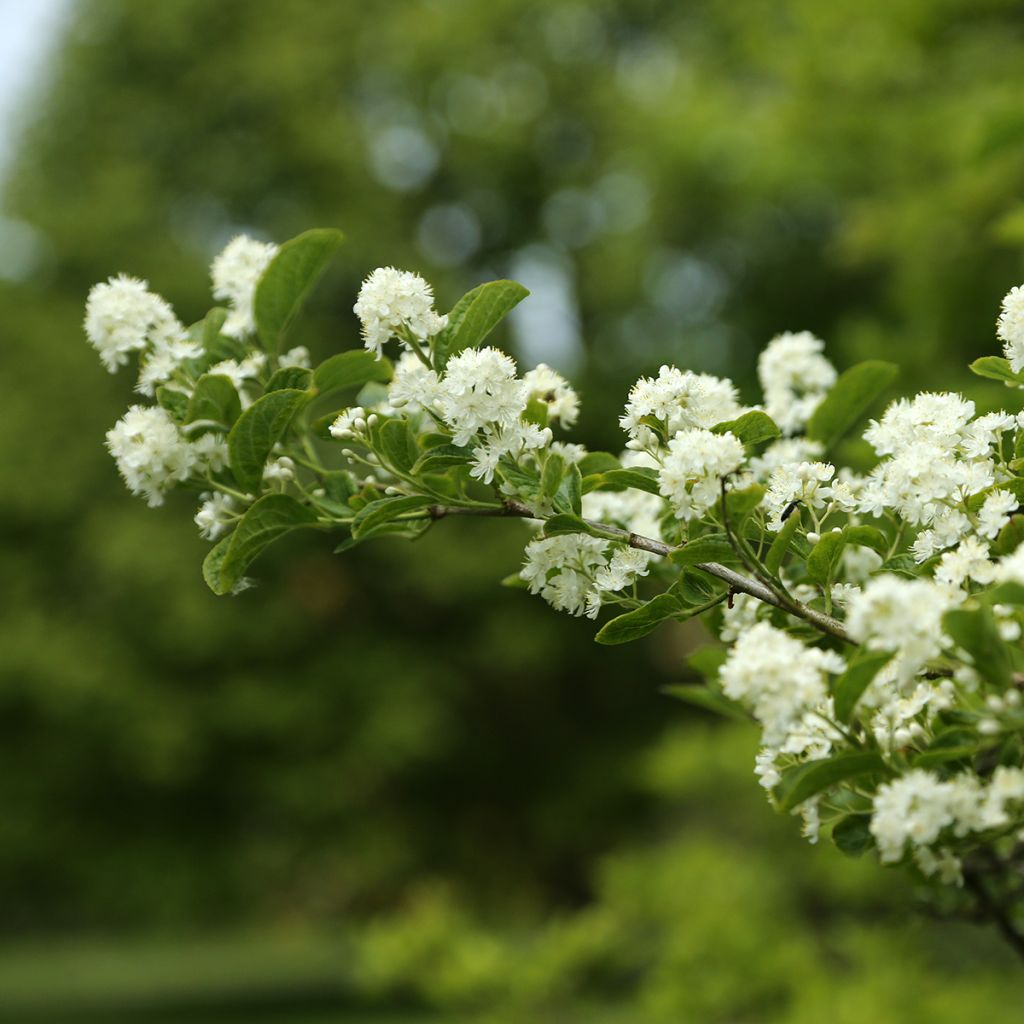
(696,461)
(805,481)
(235,272)
(395,301)
(122,316)
(1010,328)
(480,389)
(215,515)
(150,452)
(551,388)
(795,377)
(995,513)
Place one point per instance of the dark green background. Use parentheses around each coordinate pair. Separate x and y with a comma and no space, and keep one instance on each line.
(382,782)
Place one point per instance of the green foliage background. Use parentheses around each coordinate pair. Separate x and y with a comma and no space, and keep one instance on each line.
(409,789)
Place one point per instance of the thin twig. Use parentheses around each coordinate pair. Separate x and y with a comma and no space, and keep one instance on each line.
(737,581)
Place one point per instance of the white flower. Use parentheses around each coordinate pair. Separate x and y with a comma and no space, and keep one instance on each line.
(690,474)
(561,569)
(211,452)
(1010,328)
(995,512)
(394,301)
(122,316)
(914,807)
(280,470)
(414,386)
(777,677)
(551,388)
(968,561)
(904,615)
(625,566)
(241,371)
(804,481)
(150,452)
(215,515)
(235,272)
(349,423)
(298,356)
(795,377)
(485,462)
(480,389)
(680,400)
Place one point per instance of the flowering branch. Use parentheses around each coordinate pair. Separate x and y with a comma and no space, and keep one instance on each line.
(909,742)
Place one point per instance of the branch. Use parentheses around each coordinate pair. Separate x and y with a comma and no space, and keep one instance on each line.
(737,581)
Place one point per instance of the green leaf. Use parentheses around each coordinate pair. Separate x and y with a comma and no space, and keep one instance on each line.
(708,660)
(849,687)
(295,377)
(551,475)
(440,458)
(780,545)
(515,582)
(640,621)
(476,314)
(569,497)
(824,557)
(996,368)
(751,428)
(371,517)
(713,548)
(867,537)
(565,522)
(852,834)
(266,520)
(803,781)
(351,369)
(703,697)
(1005,593)
(1010,536)
(286,282)
(214,400)
(598,462)
(975,630)
(173,401)
(641,478)
(850,398)
(950,745)
(396,443)
(740,503)
(256,432)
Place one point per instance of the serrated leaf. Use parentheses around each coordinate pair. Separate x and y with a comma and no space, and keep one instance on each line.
(265,521)
(256,432)
(803,781)
(174,402)
(295,377)
(397,444)
(754,427)
(551,475)
(996,368)
(975,630)
(850,398)
(286,282)
(703,697)
(372,517)
(780,545)
(824,557)
(475,315)
(569,496)
(351,369)
(214,400)
(850,686)
(640,621)
(714,548)
(641,478)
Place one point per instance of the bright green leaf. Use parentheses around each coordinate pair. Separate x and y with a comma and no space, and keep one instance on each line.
(640,621)
(256,432)
(849,686)
(476,314)
(351,369)
(850,398)
(371,517)
(754,427)
(803,781)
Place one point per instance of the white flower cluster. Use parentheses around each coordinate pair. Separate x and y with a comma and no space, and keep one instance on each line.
(235,272)
(396,303)
(150,452)
(1010,328)
(677,400)
(123,316)
(552,389)
(692,469)
(795,377)
(778,678)
(918,807)
(574,572)
(805,482)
